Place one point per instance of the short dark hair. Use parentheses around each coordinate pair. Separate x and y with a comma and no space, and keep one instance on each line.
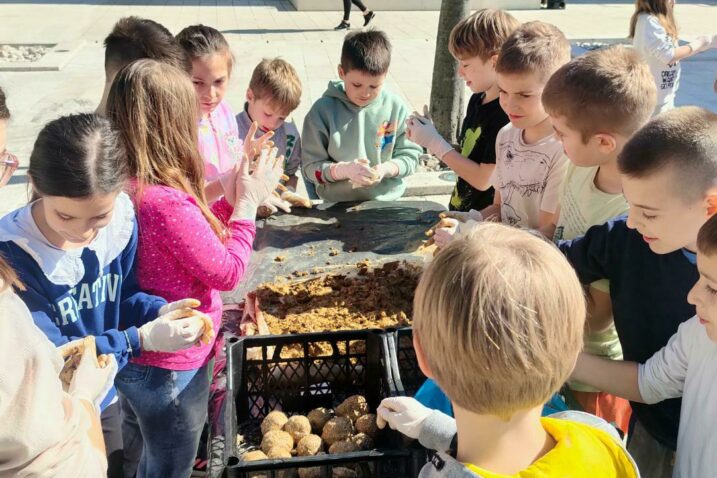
(683,139)
(77,156)
(201,40)
(4,112)
(134,38)
(366,51)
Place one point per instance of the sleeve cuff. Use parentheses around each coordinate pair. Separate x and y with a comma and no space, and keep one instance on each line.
(438,431)
(133,343)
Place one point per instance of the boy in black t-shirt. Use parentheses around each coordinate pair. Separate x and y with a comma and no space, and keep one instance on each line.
(475,43)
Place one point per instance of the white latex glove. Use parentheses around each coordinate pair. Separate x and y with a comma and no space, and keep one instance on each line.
(272,204)
(358,171)
(472,215)
(445,231)
(404,414)
(700,44)
(92,382)
(253,188)
(228,180)
(388,169)
(178,327)
(421,130)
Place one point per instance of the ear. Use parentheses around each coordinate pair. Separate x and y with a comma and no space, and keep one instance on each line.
(341,72)
(249,95)
(420,358)
(494,60)
(711,202)
(606,142)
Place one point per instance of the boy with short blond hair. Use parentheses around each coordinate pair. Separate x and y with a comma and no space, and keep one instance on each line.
(669,178)
(596,103)
(474,42)
(274,92)
(500,351)
(354,143)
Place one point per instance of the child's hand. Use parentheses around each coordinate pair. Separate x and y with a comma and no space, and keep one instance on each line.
(178,327)
(471,215)
(91,381)
(253,146)
(444,232)
(700,44)
(252,189)
(404,414)
(357,171)
(272,204)
(385,170)
(421,130)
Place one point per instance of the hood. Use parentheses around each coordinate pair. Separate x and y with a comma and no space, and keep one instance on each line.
(336,89)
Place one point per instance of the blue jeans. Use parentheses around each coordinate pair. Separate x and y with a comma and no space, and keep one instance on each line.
(164,414)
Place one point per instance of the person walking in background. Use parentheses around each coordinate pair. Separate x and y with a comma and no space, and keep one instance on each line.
(367,14)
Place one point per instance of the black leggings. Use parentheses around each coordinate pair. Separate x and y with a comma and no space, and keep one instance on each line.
(347,7)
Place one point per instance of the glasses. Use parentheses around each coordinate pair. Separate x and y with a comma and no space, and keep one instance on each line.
(8,165)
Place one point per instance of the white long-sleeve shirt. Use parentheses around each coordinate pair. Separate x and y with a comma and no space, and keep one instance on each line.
(687,367)
(658,49)
(43,430)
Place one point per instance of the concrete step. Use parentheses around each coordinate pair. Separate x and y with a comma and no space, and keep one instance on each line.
(413,5)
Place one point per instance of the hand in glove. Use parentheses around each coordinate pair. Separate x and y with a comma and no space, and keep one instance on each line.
(700,44)
(472,215)
(358,171)
(178,327)
(271,205)
(421,130)
(253,188)
(444,231)
(385,170)
(404,414)
(91,382)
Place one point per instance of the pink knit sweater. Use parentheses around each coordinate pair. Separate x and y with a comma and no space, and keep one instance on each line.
(179,256)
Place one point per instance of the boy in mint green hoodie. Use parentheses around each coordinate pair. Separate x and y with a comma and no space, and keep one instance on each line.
(354,144)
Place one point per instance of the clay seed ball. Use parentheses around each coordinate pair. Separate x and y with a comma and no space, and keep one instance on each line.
(353,407)
(273,421)
(278,452)
(255,455)
(318,418)
(367,424)
(343,472)
(298,427)
(337,429)
(277,438)
(309,445)
(343,446)
(362,441)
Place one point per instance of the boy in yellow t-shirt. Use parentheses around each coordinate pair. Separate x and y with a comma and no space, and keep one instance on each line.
(498,324)
(596,103)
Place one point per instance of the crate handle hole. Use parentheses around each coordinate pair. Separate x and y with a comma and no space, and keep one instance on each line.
(232,461)
(233,340)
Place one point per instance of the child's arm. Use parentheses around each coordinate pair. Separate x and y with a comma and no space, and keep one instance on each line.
(405,151)
(613,376)
(315,161)
(170,219)
(600,315)
(591,254)
(492,212)
(213,190)
(661,47)
(476,174)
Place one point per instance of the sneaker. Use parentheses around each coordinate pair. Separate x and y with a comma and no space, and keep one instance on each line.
(368,17)
(342,26)
(556,5)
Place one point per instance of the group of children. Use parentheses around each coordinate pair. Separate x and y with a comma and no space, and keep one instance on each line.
(143,211)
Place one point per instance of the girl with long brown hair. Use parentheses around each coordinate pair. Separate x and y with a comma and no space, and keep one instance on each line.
(655,36)
(186,249)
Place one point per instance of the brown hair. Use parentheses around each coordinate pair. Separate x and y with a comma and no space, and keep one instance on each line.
(707,237)
(276,81)
(366,51)
(8,277)
(134,38)
(662,9)
(201,40)
(4,111)
(606,90)
(534,47)
(683,139)
(499,316)
(154,108)
(481,34)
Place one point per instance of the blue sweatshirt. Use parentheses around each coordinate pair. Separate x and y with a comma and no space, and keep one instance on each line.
(649,301)
(88,291)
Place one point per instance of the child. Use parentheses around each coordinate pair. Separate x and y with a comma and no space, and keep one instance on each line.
(596,102)
(500,351)
(134,38)
(654,35)
(73,248)
(530,164)
(164,395)
(354,144)
(685,367)
(475,43)
(669,178)
(274,92)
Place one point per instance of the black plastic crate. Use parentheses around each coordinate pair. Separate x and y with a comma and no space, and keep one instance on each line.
(405,373)
(266,380)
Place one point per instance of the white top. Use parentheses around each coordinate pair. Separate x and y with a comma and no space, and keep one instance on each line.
(528,176)
(43,431)
(687,367)
(658,49)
